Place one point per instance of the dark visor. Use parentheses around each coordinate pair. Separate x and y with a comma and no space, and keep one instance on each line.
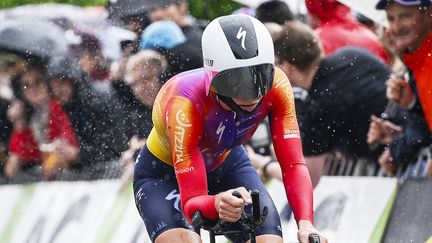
(244,82)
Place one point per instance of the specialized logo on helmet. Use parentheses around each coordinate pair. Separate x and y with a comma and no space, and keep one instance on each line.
(242,34)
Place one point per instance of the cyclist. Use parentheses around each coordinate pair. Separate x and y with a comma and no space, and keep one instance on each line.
(194,153)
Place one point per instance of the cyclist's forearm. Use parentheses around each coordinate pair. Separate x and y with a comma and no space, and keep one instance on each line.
(298,187)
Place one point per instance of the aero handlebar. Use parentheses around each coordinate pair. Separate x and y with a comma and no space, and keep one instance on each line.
(249,222)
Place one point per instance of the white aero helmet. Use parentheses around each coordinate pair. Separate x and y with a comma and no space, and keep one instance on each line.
(238,57)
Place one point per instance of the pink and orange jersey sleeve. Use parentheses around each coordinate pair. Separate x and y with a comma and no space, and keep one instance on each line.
(185,128)
(288,148)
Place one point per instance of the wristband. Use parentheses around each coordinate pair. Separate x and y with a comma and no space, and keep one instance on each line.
(264,169)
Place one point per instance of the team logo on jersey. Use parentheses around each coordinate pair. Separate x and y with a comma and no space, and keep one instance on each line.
(174,195)
(241,34)
(220,130)
(181,119)
(179,134)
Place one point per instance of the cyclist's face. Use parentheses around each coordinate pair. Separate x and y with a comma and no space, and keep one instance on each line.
(247,104)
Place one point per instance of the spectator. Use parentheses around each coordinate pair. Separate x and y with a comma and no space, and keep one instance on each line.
(45,136)
(185,56)
(190,52)
(161,36)
(143,72)
(92,62)
(411,30)
(5,132)
(74,94)
(336,27)
(274,11)
(412,38)
(345,88)
(166,37)
(136,22)
(163,33)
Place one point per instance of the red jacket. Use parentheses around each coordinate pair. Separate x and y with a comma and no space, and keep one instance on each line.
(24,145)
(338,28)
(420,63)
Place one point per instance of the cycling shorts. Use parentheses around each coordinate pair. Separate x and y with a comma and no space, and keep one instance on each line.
(158,200)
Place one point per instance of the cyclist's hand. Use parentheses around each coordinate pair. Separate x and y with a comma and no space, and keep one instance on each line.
(305,229)
(230,207)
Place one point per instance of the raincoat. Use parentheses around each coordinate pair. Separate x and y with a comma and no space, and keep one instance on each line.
(420,63)
(338,28)
(23,143)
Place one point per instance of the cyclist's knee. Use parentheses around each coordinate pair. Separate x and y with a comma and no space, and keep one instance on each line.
(268,238)
(178,235)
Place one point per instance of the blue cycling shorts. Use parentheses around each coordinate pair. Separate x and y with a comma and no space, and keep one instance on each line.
(158,200)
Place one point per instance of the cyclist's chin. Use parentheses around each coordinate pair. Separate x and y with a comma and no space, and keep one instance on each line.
(248,108)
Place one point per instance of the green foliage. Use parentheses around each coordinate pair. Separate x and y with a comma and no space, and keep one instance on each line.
(202,9)
(210,9)
(13,3)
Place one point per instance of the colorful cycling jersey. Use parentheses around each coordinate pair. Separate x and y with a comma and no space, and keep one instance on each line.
(193,133)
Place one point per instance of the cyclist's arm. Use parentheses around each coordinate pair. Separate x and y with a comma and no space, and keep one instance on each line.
(288,149)
(185,127)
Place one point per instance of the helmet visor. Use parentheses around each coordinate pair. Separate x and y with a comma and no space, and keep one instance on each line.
(244,82)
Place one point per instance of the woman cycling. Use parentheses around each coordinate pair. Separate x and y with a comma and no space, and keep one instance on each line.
(194,153)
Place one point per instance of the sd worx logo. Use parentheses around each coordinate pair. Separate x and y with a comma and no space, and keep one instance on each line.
(179,134)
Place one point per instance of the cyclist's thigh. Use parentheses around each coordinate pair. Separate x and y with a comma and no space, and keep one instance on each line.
(238,171)
(156,196)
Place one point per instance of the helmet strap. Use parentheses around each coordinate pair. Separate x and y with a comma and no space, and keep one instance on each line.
(233,106)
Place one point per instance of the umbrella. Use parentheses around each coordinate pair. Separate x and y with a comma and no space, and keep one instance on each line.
(121,8)
(75,19)
(52,11)
(35,38)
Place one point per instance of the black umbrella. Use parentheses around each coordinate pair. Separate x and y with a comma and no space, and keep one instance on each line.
(49,11)
(32,38)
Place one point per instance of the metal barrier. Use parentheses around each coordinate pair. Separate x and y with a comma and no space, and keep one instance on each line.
(99,170)
(339,165)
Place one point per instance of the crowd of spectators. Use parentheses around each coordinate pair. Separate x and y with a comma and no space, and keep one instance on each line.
(362,92)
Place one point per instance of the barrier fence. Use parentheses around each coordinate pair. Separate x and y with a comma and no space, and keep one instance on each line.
(347,209)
